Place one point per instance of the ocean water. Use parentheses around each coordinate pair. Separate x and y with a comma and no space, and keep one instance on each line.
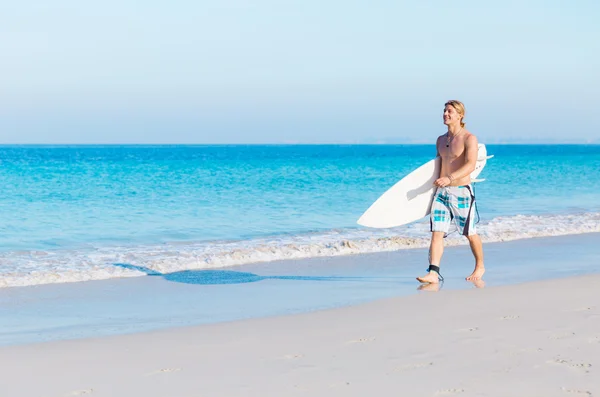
(75,213)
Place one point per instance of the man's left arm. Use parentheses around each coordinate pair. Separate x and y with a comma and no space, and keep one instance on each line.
(471,151)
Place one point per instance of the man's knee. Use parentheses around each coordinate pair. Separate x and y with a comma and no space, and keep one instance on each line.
(437,236)
(473,238)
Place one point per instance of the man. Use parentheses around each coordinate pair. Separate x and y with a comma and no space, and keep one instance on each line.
(454,200)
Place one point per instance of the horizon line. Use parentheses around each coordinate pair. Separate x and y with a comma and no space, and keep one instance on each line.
(286,144)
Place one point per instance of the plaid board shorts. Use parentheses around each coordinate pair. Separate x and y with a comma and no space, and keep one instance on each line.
(453,204)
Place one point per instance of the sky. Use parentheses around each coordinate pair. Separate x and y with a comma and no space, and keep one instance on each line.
(297,71)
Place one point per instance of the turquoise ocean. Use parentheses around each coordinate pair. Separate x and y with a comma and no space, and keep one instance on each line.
(77,213)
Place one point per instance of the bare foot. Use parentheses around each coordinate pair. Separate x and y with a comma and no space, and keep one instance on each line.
(477,273)
(431,278)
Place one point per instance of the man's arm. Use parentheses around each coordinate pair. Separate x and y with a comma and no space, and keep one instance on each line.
(437,147)
(471,151)
(437,154)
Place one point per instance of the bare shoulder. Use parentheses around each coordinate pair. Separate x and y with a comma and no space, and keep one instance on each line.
(439,140)
(471,146)
(470,138)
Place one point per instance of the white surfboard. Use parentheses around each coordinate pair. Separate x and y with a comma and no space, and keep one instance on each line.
(410,198)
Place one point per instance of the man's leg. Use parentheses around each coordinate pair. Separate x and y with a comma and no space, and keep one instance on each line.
(477,249)
(436,249)
(465,217)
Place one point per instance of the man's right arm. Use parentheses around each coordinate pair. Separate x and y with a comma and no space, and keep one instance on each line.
(437,147)
(437,151)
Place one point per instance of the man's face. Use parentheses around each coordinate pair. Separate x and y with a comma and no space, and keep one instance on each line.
(451,116)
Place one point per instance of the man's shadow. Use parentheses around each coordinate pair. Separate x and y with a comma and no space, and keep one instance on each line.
(215,277)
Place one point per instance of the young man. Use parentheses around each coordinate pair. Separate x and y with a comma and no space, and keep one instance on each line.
(454,201)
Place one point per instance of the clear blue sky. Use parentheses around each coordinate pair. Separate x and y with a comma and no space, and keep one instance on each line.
(227,71)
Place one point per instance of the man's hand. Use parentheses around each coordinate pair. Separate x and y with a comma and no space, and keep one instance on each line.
(442,182)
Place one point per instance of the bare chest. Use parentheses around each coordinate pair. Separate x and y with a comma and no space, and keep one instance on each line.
(452,150)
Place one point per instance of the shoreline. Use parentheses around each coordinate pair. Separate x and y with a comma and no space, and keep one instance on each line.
(140,304)
(538,337)
(27,268)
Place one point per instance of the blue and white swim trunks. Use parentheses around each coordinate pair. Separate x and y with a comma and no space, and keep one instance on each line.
(453,204)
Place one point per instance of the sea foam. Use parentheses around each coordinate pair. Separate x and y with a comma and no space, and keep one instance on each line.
(25,268)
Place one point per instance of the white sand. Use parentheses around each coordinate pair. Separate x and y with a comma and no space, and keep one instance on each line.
(536,339)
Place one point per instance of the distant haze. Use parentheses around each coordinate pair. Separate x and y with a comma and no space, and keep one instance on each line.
(233,71)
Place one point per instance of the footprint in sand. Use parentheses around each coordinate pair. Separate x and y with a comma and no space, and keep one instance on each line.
(532,350)
(578,392)
(524,351)
(338,384)
(579,366)
(562,336)
(411,367)
(164,371)
(292,356)
(449,391)
(595,339)
(472,329)
(362,340)
(80,392)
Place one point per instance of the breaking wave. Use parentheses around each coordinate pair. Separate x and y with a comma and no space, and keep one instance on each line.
(25,268)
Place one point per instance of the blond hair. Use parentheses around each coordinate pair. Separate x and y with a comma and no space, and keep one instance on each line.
(459,107)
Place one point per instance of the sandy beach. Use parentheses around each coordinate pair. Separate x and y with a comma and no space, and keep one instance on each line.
(237,199)
(530,339)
